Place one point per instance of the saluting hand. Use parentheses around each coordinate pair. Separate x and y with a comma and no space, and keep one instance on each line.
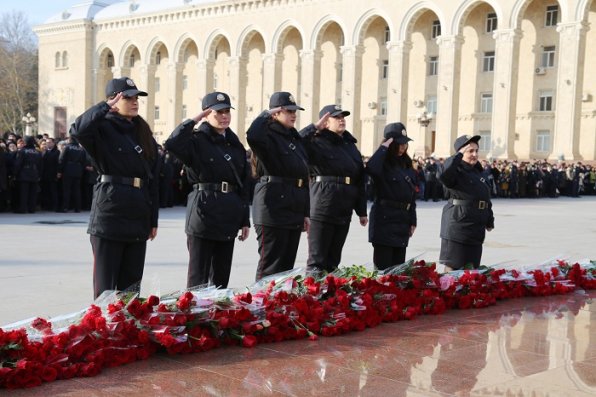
(202,115)
(387,142)
(320,125)
(275,110)
(112,103)
(244,233)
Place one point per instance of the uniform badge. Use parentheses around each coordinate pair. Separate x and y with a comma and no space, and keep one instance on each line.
(221,97)
(404,133)
(337,107)
(130,82)
(291,99)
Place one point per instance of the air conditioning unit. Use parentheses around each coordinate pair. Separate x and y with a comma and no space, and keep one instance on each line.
(418,103)
(586,97)
(540,70)
(372,105)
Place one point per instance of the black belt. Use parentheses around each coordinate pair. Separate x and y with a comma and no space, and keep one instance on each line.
(480,204)
(122,180)
(223,187)
(395,204)
(346,180)
(298,182)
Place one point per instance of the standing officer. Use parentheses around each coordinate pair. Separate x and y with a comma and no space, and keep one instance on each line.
(393,213)
(217,207)
(125,200)
(72,163)
(280,203)
(468,214)
(28,169)
(337,186)
(49,176)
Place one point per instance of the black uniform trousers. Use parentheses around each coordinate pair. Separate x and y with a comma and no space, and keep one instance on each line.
(27,196)
(385,256)
(277,249)
(210,261)
(71,188)
(457,255)
(325,243)
(49,195)
(117,265)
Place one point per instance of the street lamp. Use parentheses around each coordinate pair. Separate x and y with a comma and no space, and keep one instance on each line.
(424,118)
(29,121)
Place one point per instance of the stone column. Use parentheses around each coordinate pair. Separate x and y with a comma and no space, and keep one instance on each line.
(351,86)
(309,88)
(397,88)
(237,68)
(504,93)
(448,93)
(174,96)
(205,77)
(147,104)
(572,42)
(271,77)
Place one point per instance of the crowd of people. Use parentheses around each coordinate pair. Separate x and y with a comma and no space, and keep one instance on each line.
(290,181)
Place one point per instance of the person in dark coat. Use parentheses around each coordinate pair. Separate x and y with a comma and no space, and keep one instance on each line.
(71,165)
(281,199)
(28,170)
(393,213)
(468,214)
(433,186)
(337,186)
(217,207)
(49,176)
(166,179)
(3,177)
(125,204)
(89,179)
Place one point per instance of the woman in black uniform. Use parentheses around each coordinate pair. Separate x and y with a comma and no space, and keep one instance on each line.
(393,213)
(217,207)
(125,200)
(468,213)
(337,186)
(280,203)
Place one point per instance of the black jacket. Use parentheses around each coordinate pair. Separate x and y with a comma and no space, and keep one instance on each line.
(395,187)
(211,214)
(332,155)
(72,161)
(119,212)
(28,165)
(466,223)
(279,152)
(50,165)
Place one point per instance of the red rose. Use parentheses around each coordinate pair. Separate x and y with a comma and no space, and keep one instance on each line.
(249,341)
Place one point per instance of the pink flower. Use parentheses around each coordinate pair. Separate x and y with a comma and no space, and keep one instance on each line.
(446,282)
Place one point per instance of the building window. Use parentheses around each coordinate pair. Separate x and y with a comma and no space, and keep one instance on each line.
(387,34)
(543,141)
(64,59)
(552,15)
(545,101)
(431,104)
(486,102)
(435,30)
(488,61)
(184,82)
(110,61)
(57,60)
(433,66)
(183,112)
(383,106)
(157,84)
(156,114)
(548,57)
(131,60)
(491,22)
(484,142)
(385,70)
(158,58)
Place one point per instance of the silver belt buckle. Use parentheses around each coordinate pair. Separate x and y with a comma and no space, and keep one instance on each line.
(347,180)
(225,187)
(408,207)
(299,182)
(481,204)
(136,182)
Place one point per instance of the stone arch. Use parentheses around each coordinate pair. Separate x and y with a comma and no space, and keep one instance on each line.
(246,36)
(320,28)
(282,31)
(412,15)
(213,41)
(181,45)
(582,10)
(520,7)
(152,49)
(364,22)
(467,6)
(127,49)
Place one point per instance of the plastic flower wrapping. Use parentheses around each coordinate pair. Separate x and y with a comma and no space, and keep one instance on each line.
(121,326)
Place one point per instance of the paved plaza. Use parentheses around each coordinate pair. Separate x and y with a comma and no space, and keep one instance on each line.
(522,347)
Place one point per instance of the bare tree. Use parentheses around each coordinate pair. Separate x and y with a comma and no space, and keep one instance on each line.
(18,71)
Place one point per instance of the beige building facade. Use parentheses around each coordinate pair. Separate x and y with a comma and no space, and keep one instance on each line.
(516,72)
